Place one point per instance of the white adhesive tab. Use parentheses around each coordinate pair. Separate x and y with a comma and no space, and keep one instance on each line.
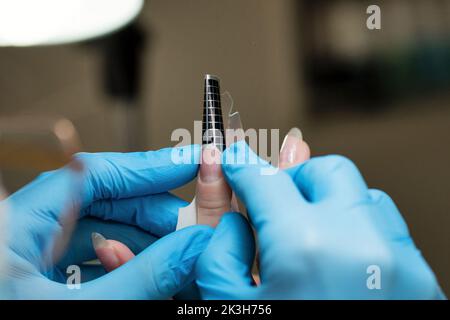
(187,216)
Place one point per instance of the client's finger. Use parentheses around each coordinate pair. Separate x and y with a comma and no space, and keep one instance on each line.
(111,253)
(213,193)
(80,248)
(158,272)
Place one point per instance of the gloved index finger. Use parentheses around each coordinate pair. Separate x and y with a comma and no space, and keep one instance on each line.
(269,194)
(156,213)
(53,200)
(126,175)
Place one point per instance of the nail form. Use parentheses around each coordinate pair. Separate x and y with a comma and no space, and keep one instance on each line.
(213,132)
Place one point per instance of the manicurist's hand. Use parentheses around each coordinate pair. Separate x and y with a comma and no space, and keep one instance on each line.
(213,195)
(322,234)
(120,195)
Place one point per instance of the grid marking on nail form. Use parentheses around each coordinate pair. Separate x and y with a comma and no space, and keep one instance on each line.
(212,124)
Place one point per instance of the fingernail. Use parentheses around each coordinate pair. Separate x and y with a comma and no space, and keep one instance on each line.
(98,241)
(210,168)
(290,146)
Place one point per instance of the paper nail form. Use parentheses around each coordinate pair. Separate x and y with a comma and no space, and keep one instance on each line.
(187,216)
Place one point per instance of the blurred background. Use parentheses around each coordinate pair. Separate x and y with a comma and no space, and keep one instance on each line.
(380,97)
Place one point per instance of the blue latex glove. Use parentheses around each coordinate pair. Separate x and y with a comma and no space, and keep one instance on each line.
(80,247)
(128,188)
(320,230)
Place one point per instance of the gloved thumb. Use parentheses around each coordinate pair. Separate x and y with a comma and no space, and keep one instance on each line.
(223,271)
(158,272)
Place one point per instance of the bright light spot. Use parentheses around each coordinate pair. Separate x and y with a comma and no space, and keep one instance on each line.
(46,22)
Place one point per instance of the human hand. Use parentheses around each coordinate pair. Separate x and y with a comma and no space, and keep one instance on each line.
(128,188)
(212,194)
(321,233)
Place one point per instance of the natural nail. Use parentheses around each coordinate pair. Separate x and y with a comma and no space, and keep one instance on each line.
(98,241)
(210,169)
(290,146)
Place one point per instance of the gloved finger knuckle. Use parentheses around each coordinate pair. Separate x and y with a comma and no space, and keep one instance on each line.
(325,166)
(379,195)
(85,158)
(339,162)
(92,162)
(45,174)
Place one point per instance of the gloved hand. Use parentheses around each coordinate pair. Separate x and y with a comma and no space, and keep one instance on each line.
(128,188)
(322,234)
(212,200)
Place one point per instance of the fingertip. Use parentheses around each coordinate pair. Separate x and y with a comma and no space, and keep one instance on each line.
(123,253)
(98,240)
(294,149)
(108,258)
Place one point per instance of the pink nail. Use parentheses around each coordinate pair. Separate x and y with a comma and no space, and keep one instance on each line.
(210,168)
(290,147)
